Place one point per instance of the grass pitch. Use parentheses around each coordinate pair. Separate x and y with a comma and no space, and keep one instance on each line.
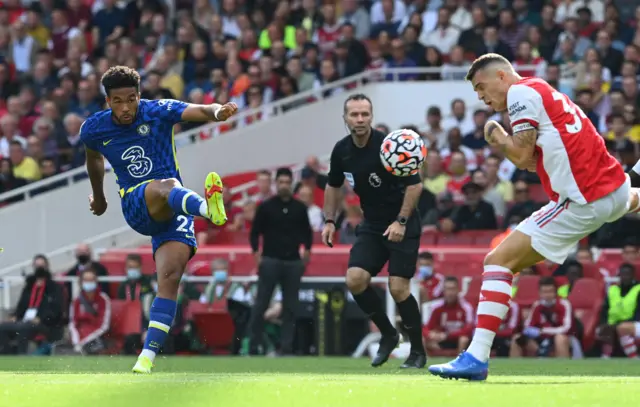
(313,382)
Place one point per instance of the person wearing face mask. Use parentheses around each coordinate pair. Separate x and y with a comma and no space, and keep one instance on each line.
(136,285)
(283,223)
(39,311)
(431,283)
(84,261)
(216,290)
(620,315)
(89,316)
(551,325)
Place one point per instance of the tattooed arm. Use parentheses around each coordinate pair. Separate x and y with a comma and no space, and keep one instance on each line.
(519,148)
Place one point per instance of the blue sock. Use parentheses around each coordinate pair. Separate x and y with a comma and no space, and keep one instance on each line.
(187,202)
(160,319)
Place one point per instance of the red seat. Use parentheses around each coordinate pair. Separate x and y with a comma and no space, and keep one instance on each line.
(527,292)
(126,319)
(537,194)
(472,295)
(456,239)
(215,330)
(586,297)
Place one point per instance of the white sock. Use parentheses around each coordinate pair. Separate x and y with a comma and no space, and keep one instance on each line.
(495,295)
(204,210)
(148,353)
(628,344)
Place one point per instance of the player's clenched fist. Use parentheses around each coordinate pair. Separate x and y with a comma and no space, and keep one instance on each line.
(494,133)
(227,110)
(327,233)
(98,205)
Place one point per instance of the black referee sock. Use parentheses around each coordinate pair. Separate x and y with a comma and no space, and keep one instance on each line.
(412,322)
(372,305)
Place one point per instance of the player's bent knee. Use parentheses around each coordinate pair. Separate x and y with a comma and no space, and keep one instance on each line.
(626,328)
(561,340)
(400,288)
(357,280)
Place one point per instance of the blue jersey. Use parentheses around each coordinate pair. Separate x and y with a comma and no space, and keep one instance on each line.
(139,152)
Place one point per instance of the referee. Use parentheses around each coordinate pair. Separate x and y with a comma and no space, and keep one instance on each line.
(390,231)
(283,223)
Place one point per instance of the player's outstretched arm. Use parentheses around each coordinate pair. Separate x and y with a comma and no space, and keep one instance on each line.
(207,113)
(519,148)
(95,169)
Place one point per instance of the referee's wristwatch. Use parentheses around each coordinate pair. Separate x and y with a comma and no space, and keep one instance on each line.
(402,220)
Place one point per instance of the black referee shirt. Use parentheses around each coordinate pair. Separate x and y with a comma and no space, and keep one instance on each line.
(284,226)
(381,193)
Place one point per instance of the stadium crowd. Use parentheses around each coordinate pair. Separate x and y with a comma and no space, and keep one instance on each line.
(53,53)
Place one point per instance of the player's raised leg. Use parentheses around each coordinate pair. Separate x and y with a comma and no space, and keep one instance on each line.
(512,255)
(171,259)
(168,196)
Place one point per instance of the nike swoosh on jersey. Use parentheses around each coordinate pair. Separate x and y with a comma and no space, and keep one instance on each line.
(189,236)
(104,143)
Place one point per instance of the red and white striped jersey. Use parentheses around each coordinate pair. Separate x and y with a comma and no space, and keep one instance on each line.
(573,161)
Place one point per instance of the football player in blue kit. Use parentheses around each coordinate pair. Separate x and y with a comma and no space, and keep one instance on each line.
(136,137)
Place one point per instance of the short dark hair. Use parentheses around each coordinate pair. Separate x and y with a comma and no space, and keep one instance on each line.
(573,263)
(451,279)
(546,281)
(356,97)
(265,172)
(41,257)
(118,77)
(482,62)
(284,172)
(134,257)
(16,143)
(425,256)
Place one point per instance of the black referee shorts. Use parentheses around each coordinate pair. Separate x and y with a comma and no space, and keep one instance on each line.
(372,250)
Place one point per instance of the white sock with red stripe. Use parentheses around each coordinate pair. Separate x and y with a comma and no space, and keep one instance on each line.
(495,295)
(628,344)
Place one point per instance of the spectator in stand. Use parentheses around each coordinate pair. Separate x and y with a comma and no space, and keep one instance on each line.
(475,214)
(490,195)
(24,166)
(89,316)
(620,315)
(8,181)
(435,179)
(137,284)
(523,205)
(216,289)
(511,33)
(610,57)
(390,22)
(475,139)
(265,186)
(355,15)
(431,282)
(459,118)
(84,261)
(449,320)
(525,57)
(471,39)
(445,36)
(415,50)
(456,68)
(503,187)
(39,311)
(551,325)
(493,43)
(455,145)
(573,272)
(304,79)
(399,59)
(459,176)
(348,228)
(305,194)
(435,134)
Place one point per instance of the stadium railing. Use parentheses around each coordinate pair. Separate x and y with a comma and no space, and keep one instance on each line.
(8,282)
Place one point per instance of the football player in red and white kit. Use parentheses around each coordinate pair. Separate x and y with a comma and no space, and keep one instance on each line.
(587,188)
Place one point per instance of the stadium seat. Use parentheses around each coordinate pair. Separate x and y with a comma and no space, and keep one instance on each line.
(527,292)
(215,330)
(126,319)
(586,297)
(461,239)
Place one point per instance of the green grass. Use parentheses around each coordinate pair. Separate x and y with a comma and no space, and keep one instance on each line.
(301,382)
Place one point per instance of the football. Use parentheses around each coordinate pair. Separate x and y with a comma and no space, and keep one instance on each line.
(403,152)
